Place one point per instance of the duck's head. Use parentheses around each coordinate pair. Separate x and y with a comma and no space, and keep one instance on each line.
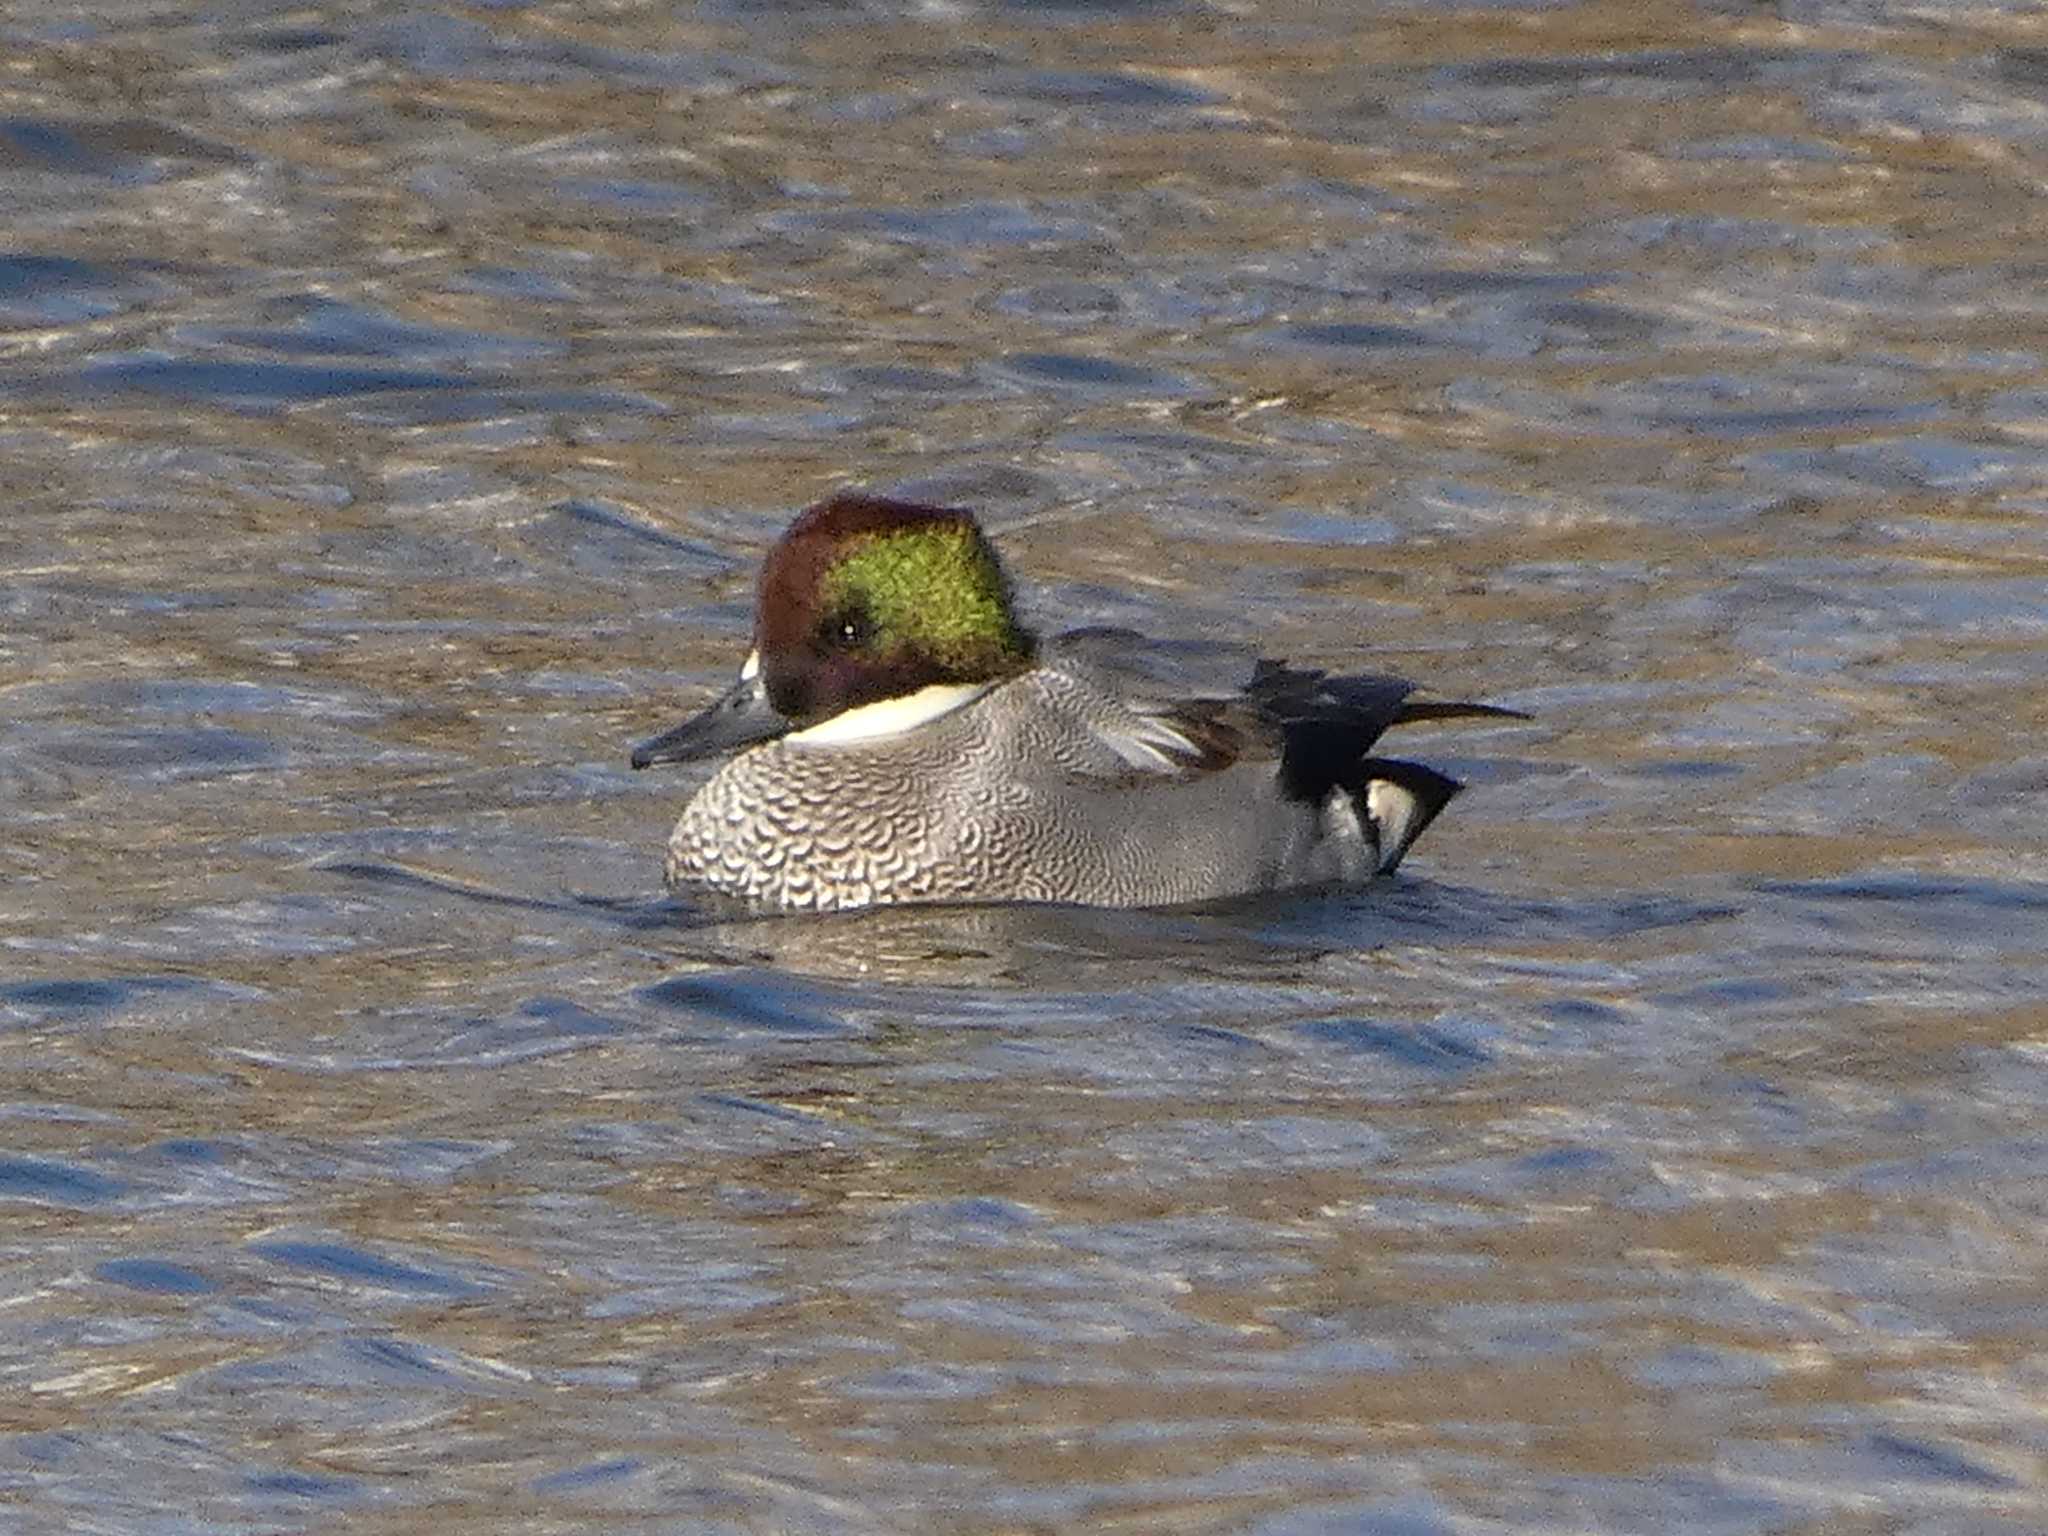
(863,602)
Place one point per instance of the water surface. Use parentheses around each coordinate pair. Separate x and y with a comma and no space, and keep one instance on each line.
(394,403)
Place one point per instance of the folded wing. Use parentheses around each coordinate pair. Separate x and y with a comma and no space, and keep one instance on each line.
(1182,707)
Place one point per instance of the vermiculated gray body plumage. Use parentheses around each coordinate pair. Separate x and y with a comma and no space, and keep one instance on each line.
(1066,783)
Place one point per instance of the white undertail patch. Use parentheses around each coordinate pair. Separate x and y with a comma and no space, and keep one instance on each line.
(1397,816)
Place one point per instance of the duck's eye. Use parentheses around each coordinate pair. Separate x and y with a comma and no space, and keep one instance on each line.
(848,629)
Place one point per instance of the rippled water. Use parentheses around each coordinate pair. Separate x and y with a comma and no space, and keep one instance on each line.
(393,405)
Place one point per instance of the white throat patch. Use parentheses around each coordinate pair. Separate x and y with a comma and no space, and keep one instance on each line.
(891,717)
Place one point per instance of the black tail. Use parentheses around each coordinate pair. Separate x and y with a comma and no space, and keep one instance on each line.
(1444,709)
(1329,724)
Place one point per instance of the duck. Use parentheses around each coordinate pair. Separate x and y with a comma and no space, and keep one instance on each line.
(897,735)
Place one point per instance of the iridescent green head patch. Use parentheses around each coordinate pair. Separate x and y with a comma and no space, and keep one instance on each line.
(935,589)
(866,598)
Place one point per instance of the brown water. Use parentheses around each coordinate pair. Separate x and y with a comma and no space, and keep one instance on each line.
(393,405)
